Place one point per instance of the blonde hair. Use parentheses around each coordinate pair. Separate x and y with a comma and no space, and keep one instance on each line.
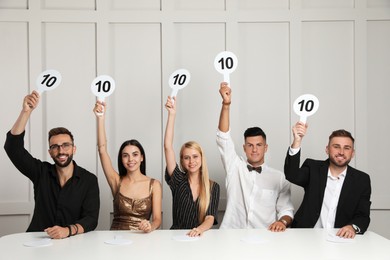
(204,189)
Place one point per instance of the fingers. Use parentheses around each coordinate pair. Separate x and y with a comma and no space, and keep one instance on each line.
(224,88)
(194,232)
(31,101)
(225,92)
(301,125)
(56,232)
(223,84)
(171,102)
(145,226)
(99,108)
(35,94)
(277,227)
(346,232)
(299,129)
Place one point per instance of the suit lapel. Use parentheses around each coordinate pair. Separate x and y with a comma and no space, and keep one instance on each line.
(323,179)
(347,187)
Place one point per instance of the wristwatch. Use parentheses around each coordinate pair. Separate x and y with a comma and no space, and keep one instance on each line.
(283,221)
(356,228)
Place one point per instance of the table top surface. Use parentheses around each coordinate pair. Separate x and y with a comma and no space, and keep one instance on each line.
(213,244)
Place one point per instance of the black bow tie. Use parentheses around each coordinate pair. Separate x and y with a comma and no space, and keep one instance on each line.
(251,168)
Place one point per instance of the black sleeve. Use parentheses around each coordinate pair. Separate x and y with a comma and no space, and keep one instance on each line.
(292,171)
(21,158)
(91,206)
(214,202)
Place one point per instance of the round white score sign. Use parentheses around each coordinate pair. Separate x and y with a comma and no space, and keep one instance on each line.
(179,79)
(103,86)
(48,80)
(305,106)
(225,63)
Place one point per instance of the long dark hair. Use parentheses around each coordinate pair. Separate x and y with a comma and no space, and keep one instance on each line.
(122,170)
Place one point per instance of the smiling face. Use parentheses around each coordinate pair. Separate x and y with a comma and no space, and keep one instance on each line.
(131,158)
(255,148)
(61,149)
(191,160)
(340,151)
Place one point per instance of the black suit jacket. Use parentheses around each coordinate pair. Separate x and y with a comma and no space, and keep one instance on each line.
(354,202)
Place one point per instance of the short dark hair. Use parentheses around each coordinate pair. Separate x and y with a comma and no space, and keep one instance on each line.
(341,133)
(122,170)
(254,131)
(59,131)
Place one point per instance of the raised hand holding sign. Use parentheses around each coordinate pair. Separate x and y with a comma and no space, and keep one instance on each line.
(306,105)
(179,79)
(48,80)
(225,63)
(102,87)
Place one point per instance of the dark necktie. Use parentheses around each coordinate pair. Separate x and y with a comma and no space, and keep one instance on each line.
(251,168)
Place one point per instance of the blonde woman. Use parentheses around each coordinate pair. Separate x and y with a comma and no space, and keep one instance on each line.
(136,196)
(195,196)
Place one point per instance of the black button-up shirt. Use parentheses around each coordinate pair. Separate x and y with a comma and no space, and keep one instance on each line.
(76,202)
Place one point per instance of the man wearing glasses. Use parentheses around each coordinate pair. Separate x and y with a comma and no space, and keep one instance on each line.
(66,195)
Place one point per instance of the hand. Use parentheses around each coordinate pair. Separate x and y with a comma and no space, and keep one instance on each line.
(225,92)
(195,232)
(145,226)
(57,232)
(31,101)
(299,131)
(171,105)
(100,108)
(346,232)
(277,226)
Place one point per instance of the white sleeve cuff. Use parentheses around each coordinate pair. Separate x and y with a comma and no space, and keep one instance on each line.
(293,151)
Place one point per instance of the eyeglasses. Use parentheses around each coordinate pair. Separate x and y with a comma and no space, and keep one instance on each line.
(64,146)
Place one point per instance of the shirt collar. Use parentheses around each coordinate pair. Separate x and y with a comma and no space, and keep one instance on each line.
(341,175)
(76,172)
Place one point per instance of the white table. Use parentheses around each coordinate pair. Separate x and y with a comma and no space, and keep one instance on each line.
(214,244)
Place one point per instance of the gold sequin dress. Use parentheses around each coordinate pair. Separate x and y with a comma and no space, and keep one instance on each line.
(128,212)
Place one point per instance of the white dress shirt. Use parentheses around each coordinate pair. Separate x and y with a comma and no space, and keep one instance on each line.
(253,200)
(331,200)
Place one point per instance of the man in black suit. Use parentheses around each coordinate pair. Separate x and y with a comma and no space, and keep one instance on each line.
(336,195)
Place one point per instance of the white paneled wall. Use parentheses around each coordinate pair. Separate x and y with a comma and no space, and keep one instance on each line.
(337,50)
(378,78)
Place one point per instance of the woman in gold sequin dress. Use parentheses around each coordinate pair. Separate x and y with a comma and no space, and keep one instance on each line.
(137,197)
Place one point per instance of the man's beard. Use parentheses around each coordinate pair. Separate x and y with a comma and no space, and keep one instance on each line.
(333,161)
(66,163)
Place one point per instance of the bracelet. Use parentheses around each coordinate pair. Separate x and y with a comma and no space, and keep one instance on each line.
(70,231)
(100,146)
(283,221)
(77,229)
(227,103)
